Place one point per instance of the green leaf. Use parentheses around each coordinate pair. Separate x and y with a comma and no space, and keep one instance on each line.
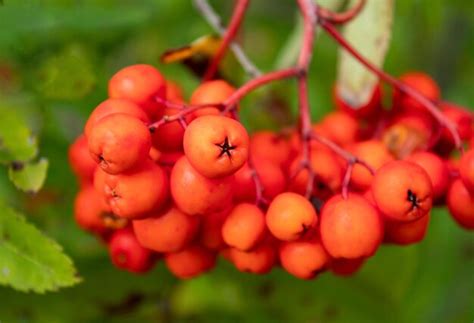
(29,177)
(66,75)
(370,34)
(17,142)
(30,261)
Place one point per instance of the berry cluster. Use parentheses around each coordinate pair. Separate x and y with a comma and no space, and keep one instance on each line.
(185,182)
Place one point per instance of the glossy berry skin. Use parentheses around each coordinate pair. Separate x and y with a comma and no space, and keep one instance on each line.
(81,162)
(369,109)
(374,153)
(127,253)
(196,194)
(405,233)
(89,210)
(114,106)
(140,84)
(421,82)
(244,227)
(340,127)
(466,169)
(167,231)
(303,258)
(290,216)
(119,143)
(259,260)
(271,177)
(135,194)
(190,262)
(461,204)
(436,169)
(402,191)
(350,228)
(271,146)
(216,146)
(215,91)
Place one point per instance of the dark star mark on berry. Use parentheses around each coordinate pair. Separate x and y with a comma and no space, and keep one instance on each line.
(411,197)
(225,148)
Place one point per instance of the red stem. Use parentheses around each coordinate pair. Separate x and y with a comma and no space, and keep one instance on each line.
(430,106)
(235,22)
(341,17)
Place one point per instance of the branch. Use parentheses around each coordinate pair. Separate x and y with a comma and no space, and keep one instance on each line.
(339,18)
(213,19)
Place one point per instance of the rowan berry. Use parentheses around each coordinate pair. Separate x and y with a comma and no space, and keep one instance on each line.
(190,262)
(461,204)
(466,169)
(271,146)
(167,231)
(303,258)
(211,92)
(140,84)
(402,191)
(404,233)
(216,146)
(119,142)
(290,216)
(420,82)
(259,260)
(340,127)
(136,193)
(127,253)
(346,267)
(244,227)
(81,161)
(196,194)
(350,227)
(114,106)
(436,169)
(89,210)
(210,235)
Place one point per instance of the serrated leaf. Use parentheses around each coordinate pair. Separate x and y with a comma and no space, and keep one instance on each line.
(29,177)
(17,143)
(370,34)
(30,261)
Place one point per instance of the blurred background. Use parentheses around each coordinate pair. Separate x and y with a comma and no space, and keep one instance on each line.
(55,59)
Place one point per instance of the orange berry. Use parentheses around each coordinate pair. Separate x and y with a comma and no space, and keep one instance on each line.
(216,146)
(375,154)
(271,146)
(88,210)
(461,204)
(140,84)
(126,253)
(436,169)
(81,161)
(350,228)
(244,227)
(420,82)
(135,194)
(340,127)
(119,142)
(195,194)
(466,169)
(190,262)
(404,233)
(402,191)
(259,260)
(346,267)
(114,106)
(215,91)
(210,235)
(167,231)
(290,216)
(303,258)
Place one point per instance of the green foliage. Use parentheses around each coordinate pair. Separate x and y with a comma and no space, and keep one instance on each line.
(29,177)
(29,261)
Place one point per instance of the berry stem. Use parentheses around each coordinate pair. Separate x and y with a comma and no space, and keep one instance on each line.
(339,18)
(430,106)
(230,33)
(214,20)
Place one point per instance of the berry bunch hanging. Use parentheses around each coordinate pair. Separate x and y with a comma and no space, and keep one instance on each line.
(163,178)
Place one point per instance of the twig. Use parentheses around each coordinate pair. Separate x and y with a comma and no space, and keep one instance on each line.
(213,19)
